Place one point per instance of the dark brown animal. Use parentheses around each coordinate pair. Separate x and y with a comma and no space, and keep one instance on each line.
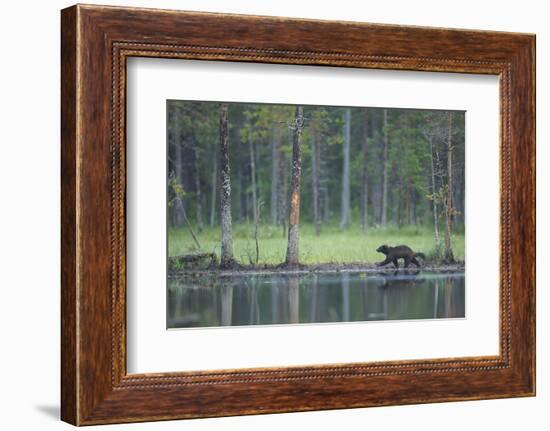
(393,254)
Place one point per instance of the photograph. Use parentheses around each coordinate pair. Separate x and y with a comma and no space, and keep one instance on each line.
(298,214)
(268,210)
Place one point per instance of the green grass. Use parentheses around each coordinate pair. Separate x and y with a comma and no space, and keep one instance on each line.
(332,246)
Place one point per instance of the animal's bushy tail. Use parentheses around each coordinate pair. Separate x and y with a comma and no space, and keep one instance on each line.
(420,255)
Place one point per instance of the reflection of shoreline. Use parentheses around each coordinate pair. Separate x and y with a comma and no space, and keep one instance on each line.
(290,298)
(320,269)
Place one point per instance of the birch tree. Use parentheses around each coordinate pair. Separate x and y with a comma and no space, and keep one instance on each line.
(227,258)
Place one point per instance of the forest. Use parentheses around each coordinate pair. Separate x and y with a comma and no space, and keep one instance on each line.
(258,185)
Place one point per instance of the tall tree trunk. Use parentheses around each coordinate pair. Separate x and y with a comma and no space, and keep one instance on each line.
(345,212)
(376,200)
(198,203)
(253,179)
(214,189)
(242,165)
(408,204)
(316,183)
(227,258)
(364,179)
(178,219)
(449,257)
(274,173)
(383,218)
(283,193)
(434,203)
(241,195)
(293,250)
(398,202)
(326,204)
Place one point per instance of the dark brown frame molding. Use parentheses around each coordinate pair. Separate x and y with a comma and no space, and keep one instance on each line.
(95,43)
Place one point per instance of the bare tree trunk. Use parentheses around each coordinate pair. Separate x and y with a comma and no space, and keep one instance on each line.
(198,203)
(383,219)
(364,179)
(283,193)
(326,204)
(214,191)
(253,178)
(398,202)
(449,257)
(434,203)
(408,204)
(376,200)
(315,162)
(178,160)
(241,195)
(227,258)
(246,196)
(274,174)
(293,250)
(345,213)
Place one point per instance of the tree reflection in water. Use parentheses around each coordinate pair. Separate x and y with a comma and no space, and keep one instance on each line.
(239,300)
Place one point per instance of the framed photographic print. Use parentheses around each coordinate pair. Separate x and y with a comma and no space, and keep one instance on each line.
(321,214)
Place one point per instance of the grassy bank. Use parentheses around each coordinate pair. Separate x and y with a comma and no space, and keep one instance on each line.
(332,246)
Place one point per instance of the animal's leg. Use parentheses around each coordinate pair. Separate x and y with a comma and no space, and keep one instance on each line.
(407,261)
(395,263)
(384,262)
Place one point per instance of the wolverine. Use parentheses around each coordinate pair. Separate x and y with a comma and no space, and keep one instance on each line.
(400,252)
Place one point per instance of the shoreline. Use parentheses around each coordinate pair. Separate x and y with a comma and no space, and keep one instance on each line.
(326,268)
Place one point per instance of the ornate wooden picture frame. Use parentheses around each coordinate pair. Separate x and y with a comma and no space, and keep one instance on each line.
(96,41)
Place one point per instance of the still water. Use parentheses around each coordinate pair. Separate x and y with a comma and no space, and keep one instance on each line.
(239,300)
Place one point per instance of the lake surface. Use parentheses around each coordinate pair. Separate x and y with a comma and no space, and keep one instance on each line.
(241,300)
